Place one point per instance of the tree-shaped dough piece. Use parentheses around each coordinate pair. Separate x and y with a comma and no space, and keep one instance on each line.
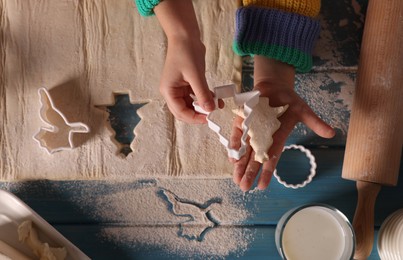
(263,125)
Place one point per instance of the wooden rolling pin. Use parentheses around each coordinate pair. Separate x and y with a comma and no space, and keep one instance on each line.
(375,135)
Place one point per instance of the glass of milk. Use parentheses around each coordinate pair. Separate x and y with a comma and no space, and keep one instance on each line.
(315,231)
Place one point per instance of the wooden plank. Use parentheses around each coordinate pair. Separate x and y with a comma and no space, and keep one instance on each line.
(91,241)
(342,24)
(67,202)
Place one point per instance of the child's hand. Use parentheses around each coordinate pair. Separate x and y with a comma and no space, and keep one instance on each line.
(184,69)
(274,80)
(183,74)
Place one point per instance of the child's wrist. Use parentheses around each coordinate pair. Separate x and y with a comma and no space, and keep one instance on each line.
(273,72)
(180,43)
(183,36)
(178,19)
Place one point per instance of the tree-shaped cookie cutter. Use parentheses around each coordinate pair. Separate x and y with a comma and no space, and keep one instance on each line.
(58,135)
(248,100)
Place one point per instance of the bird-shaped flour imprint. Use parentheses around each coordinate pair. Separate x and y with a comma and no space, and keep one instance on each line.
(58,135)
(263,125)
(198,220)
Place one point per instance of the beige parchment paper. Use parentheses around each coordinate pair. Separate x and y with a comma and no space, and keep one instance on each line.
(84,52)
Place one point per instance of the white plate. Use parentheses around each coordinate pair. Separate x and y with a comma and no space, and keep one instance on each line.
(13,212)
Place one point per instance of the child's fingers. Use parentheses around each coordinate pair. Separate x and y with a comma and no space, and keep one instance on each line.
(275,151)
(203,94)
(267,173)
(279,139)
(311,120)
(240,166)
(239,170)
(236,134)
(288,123)
(251,173)
(178,108)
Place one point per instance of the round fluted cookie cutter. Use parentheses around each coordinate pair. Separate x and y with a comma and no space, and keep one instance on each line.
(312,162)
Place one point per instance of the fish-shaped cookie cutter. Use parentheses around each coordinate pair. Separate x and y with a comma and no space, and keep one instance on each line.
(59,130)
(248,100)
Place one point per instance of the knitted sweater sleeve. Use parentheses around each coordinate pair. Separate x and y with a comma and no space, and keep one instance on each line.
(284,30)
(146,7)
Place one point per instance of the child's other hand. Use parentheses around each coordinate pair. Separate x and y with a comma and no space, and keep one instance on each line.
(184,74)
(274,80)
(184,69)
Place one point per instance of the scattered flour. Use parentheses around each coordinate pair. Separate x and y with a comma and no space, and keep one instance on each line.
(217,244)
(151,221)
(332,103)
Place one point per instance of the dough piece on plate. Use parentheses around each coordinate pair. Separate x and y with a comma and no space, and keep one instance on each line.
(28,235)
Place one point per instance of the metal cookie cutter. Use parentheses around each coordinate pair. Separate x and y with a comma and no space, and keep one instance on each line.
(58,135)
(312,171)
(248,100)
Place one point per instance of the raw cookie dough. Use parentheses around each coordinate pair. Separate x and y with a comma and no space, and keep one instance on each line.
(263,125)
(28,235)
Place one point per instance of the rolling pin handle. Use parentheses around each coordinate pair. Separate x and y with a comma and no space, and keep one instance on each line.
(363,222)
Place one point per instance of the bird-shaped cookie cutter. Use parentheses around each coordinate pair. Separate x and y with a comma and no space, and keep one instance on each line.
(248,100)
(58,135)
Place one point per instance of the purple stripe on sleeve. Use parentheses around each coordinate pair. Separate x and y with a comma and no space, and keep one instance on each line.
(275,27)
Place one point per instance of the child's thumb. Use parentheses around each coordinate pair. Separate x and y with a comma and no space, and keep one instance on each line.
(204,96)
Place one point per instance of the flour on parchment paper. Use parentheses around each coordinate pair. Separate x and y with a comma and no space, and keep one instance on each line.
(149,221)
(84,52)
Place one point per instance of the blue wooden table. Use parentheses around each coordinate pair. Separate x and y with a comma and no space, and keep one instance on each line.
(59,202)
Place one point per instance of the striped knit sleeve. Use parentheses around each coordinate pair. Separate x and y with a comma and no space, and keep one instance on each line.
(146,7)
(309,8)
(278,33)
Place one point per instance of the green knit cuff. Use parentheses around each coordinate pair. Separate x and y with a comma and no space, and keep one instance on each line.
(300,60)
(146,7)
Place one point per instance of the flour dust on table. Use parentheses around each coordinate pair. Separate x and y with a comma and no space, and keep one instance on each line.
(178,216)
